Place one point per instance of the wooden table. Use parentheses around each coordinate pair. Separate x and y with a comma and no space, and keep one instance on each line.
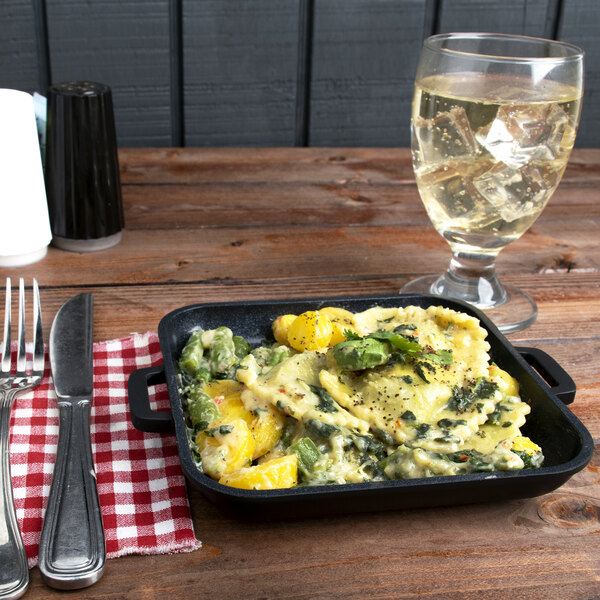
(207,225)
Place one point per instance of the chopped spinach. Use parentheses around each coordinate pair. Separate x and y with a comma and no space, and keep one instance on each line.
(384,436)
(495,417)
(530,461)
(422,430)
(368,445)
(420,368)
(448,423)
(473,459)
(326,403)
(222,429)
(463,398)
(320,428)
(406,327)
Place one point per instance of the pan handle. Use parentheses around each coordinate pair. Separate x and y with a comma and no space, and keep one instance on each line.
(560,382)
(142,416)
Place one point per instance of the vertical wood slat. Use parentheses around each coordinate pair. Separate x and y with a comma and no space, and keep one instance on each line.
(580,25)
(364,60)
(521,17)
(240,62)
(122,43)
(18,52)
(172,63)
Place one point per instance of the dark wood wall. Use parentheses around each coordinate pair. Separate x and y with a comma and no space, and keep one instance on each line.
(266,72)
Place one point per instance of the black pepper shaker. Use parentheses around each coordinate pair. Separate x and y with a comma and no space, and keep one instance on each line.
(82,167)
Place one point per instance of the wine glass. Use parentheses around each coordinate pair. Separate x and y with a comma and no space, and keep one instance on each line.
(494,119)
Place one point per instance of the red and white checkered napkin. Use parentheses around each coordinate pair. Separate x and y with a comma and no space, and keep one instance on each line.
(142,491)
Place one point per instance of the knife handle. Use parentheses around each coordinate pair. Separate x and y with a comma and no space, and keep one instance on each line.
(72,547)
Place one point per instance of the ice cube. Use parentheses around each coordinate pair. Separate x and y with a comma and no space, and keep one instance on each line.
(445,137)
(450,196)
(545,177)
(510,191)
(452,168)
(522,133)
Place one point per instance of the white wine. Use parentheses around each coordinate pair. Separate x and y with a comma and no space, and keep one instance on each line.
(488,152)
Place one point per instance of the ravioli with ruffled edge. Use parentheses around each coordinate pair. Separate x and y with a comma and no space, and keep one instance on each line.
(428,403)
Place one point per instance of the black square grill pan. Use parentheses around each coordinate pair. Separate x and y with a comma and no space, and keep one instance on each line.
(566,443)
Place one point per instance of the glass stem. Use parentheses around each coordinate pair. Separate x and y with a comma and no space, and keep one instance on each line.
(472,277)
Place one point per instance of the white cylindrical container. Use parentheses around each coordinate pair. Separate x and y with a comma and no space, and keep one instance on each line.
(24,221)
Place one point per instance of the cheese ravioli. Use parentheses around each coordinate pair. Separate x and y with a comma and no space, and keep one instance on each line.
(387,393)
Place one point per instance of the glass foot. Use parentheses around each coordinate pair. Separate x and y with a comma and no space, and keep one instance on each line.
(517,311)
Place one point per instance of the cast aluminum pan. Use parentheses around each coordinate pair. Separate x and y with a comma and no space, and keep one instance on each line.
(566,443)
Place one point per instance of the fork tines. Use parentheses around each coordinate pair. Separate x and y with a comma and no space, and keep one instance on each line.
(37,365)
(14,574)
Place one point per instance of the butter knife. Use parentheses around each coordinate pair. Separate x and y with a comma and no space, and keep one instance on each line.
(72,547)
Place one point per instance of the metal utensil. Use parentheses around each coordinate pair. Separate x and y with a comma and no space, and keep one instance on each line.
(14,573)
(72,547)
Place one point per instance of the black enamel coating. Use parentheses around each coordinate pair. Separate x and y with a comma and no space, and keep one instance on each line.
(566,443)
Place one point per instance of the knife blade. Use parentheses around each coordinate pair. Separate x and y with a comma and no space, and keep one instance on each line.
(72,546)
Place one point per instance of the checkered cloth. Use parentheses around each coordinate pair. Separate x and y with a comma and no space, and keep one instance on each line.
(141,487)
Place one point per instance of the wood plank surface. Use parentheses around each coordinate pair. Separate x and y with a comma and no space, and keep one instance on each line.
(306,251)
(244,224)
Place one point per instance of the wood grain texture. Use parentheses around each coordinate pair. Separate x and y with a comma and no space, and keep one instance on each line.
(365,55)
(309,251)
(292,186)
(124,44)
(210,225)
(240,62)
(336,166)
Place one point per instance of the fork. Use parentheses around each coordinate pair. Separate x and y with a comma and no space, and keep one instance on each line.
(14,573)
